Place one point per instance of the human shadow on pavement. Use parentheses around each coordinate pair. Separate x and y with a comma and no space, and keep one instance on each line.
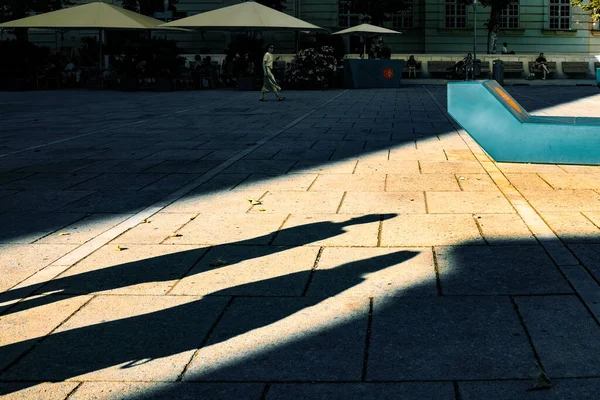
(413,114)
(135,341)
(175,266)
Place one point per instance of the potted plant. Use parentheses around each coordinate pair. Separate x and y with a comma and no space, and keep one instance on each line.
(312,69)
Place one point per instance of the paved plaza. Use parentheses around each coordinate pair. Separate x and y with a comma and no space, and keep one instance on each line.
(338,245)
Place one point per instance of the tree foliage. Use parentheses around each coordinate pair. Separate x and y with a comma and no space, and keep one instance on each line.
(148,7)
(593,6)
(15,9)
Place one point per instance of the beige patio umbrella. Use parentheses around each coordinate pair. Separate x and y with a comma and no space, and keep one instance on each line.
(366,30)
(248,15)
(96,15)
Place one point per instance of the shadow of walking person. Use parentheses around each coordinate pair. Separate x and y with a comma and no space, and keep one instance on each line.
(161,333)
(171,267)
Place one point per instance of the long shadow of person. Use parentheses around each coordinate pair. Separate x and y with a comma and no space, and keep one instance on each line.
(173,266)
(141,341)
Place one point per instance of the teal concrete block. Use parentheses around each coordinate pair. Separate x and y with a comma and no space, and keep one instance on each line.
(598,76)
(507,132)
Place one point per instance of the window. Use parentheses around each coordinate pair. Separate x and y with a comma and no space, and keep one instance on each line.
(404,18)
(456,14)
(345,18)
(560,14)
(509,18)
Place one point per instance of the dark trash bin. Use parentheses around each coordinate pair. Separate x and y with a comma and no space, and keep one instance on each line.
(498,71)
(476,68)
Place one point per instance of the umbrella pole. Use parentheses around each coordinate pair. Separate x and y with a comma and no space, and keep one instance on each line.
(101,43)
(364,46)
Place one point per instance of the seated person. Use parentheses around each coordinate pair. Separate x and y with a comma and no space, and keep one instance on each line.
(412,66)
(541,63)
(505,49)
(70,74)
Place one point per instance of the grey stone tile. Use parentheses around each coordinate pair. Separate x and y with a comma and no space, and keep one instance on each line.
(562,389)
(27,227)
(261,167)
(177,154)
(121,166)
(474,270)
(115,202)
(447,338)
(6,177)
(285,339)
(46,391)
(122,338)
(361,391)
(183,167)
(589,254)
(49,181)
(168,391)
(41,201)
(564,334)
(118,182)
(62,166)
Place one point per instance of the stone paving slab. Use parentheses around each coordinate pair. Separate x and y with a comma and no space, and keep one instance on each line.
(24,227)
(479,270)
(447,338)
(126,333)
(329,230)
(296,202)
(135,269)
(49,181)
(165,391)
(217,229)
(328,341)
(24,325)
(154,230)
(572,227)
(565,336)
(502,229)
(41,200)
(361,391)
(19,261)
(410,182)
(348,182)
(564,200)
(301,278)
(589,256)
(563,389)
(372,272)
(46,391)
(118,182)
(430,230)
(250,271)
(467,202)
(383,203)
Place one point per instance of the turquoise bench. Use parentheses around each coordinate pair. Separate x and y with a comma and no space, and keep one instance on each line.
(598,77)
(507,132)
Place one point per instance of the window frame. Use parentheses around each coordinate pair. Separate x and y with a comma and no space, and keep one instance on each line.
(559,18)
(455,16)
(505,16)
(403,16)
(348,16)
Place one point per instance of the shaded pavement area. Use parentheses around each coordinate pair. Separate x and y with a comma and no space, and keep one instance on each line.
(338,245)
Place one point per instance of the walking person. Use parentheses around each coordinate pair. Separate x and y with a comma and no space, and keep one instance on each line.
(269,82)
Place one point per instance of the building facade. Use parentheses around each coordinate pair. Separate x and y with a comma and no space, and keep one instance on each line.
(428,27)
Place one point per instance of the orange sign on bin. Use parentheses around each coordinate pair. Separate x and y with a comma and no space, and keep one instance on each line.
(388,73)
